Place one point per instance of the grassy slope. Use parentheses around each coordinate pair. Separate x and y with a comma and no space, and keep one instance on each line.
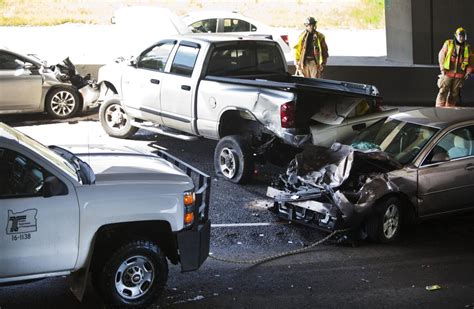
(359,14)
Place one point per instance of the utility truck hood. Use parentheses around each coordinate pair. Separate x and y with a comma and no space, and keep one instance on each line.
(125,164)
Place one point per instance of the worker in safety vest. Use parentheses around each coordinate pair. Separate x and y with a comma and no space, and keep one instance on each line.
(311,51)
(455,65)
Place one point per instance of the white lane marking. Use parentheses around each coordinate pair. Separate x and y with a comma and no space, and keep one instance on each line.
(247,224)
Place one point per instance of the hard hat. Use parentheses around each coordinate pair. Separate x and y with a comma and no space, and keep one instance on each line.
(460,35)
(310,21)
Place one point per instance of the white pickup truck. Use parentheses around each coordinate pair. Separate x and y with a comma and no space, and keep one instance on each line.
(119,220)
(233,89)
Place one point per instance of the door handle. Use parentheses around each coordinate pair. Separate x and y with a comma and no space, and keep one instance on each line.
(469,167)
(359,126)
(154,81)
(186,87)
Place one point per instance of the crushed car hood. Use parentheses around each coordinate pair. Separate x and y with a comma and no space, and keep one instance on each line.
(319,166)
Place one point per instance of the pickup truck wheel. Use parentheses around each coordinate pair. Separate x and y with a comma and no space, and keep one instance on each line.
(233,159)
(62,102)
(385,222)
(115,121)
(134,275)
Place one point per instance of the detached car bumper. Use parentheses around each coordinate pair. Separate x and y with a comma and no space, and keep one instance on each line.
(313,213)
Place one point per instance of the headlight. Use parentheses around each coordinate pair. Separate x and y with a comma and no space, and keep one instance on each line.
(189,198)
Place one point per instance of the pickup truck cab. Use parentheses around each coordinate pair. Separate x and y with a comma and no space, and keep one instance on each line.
(236,90)
(119,215)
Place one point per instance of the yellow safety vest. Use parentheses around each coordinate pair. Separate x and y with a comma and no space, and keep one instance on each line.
(447,59)
(299,46)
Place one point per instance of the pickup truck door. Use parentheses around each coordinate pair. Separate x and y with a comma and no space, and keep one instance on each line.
(142,82)
(38,234)
(16,76)
(178,89)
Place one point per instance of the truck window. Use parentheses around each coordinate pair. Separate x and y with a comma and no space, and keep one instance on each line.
(156,58)
(184,60)
(245,59)
(21,177)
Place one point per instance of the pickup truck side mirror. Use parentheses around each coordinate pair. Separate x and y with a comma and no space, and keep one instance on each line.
(52,186)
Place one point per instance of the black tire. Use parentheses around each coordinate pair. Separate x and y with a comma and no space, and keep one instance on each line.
(115,121)
(387,211)
(62,102)
(233,159)
(123,267)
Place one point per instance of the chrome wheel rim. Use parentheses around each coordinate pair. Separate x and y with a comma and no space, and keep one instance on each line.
(227,162)
(115,117)
(134,277)
(63,103)
(391,221)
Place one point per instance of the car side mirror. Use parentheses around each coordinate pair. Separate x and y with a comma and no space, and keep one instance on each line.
(52,186)
(133,62)
(29,66)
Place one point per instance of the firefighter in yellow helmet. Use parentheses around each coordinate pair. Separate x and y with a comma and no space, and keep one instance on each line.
(311,51)
(455,63)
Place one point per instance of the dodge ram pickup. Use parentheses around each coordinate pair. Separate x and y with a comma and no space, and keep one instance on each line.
(236,90)
(117,215)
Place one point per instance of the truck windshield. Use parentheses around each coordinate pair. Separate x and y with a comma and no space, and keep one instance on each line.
(44,152)
(246,58)
(401,140)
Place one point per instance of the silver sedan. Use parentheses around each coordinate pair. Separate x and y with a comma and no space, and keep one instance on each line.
(27,85)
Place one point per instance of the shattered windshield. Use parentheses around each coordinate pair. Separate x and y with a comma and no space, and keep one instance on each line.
(401,140)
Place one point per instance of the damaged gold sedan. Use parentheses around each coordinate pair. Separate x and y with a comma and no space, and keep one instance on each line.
(411,166)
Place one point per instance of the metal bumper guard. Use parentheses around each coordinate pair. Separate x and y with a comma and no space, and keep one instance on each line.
(193,243)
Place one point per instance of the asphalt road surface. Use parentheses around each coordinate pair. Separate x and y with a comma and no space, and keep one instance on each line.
(332,275)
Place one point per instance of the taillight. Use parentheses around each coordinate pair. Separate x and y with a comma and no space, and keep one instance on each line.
(287,115)
(284,37)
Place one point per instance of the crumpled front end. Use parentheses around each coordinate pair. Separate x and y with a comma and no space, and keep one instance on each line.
(332,188)
(65,74)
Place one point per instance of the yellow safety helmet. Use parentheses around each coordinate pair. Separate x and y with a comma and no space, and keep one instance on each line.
(460,35)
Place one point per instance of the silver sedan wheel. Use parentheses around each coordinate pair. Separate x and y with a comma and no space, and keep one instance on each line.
(115,117)
(63,103)
(134,277)
(227,162)
(391,221)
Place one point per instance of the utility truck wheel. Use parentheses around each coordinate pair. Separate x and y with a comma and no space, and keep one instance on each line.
(134,275)
(115,121)
(233,159)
